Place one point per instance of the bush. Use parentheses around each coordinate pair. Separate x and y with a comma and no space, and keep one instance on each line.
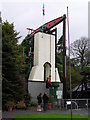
(27,99)
(21,105)
(33,103)
(9,104)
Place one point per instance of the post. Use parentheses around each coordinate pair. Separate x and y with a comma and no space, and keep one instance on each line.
(55,47)
(55,51)
(87,104)
(69,62)
(64,57)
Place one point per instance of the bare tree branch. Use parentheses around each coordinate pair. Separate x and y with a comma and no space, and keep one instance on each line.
(79,49)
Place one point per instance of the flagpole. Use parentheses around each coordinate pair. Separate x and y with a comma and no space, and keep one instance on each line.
(69,60)
(43,19)
(43,14)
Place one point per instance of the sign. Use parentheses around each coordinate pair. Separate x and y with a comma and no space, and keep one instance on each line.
(59,94)
(68,102)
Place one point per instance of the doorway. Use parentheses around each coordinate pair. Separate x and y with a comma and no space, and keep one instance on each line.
(47,71)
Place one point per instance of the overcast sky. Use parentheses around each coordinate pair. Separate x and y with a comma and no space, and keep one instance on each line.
(28,13)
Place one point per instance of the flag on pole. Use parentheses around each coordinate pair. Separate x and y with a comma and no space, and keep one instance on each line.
(43,9)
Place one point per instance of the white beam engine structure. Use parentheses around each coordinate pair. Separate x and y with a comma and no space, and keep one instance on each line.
(44,59)
(41,55)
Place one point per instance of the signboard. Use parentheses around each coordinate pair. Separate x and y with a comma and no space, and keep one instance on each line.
(59,94)
(68,102)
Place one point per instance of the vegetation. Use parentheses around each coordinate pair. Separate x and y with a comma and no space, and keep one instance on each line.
(12,65)
(33,103)
(52,116)
(79,50)
(21,105)
(14,83)
(9,104)
(27,99)
(80,69)
(81,62)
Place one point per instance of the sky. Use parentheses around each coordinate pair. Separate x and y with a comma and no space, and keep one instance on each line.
(28,13)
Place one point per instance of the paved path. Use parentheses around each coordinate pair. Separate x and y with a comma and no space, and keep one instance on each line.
(7,114)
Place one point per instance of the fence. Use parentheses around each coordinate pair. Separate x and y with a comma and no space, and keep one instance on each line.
(66,103)
(76,103)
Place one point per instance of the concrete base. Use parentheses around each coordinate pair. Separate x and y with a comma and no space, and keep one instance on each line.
(34,88)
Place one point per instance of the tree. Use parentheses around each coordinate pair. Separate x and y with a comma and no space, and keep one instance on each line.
(79,48)
(12,64)
(75,73)
(60,45)
(80,61)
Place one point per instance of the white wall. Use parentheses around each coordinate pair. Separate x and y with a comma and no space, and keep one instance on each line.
(44,51)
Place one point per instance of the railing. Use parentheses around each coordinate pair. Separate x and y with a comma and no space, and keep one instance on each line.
(76,103)
(66,103)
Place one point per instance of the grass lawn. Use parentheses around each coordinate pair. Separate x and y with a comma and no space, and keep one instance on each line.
(52,116)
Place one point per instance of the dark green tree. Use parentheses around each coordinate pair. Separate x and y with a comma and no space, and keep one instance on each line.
(12,64)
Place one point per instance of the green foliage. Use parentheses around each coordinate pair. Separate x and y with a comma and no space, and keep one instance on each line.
(21,105)
(60,45)
(33,103)
(12,64)
(79,63)
(59,58)
(27,99)
(75,74)
(86,70)
(60,70)
(75,77)
(9,104)
(21,66)
(28,50)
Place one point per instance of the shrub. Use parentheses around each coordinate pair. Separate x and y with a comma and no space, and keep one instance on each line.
(27,99)
(21,105)
(33,103)
(9,104)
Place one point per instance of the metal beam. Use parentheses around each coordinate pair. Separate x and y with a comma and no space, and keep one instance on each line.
(64,57)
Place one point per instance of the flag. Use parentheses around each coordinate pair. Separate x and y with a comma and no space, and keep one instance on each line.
(43,10)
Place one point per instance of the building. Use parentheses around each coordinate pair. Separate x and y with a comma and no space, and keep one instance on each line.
(89,30)
(40,56)
(43,68)
(89,19)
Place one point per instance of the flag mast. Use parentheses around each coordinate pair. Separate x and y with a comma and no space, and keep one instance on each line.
(43,16)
